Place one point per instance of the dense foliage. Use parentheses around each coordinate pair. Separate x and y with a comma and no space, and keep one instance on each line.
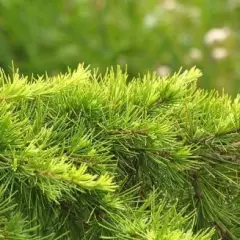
(161,35)
(91,156)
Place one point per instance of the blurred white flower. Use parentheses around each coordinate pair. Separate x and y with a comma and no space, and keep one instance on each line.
(219,53)
(163,71)
(216,35)
(150,20)
(195,54)
(169,4)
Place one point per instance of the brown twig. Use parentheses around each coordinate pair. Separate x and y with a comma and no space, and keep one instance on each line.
(163,154)
(223,232)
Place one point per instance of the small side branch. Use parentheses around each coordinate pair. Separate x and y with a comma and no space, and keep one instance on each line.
(206,139)
(131,132)
(195,184)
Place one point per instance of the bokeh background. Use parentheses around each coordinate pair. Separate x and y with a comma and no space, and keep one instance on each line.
(148,35)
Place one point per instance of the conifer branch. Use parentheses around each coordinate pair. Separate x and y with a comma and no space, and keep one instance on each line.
(209,138)
(76,138)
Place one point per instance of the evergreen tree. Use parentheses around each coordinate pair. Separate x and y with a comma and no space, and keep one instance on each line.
(90,156)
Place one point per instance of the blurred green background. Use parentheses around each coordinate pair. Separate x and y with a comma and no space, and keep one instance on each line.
(147,35)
